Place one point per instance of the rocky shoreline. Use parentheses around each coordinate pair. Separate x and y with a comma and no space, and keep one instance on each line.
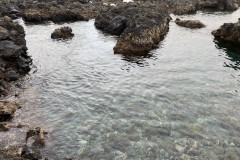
(140,25)
(15,61)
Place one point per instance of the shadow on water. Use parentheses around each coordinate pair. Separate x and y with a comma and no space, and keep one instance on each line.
(140,61)
(232,54)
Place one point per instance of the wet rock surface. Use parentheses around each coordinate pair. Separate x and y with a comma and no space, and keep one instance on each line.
(62,33)
(139,32)
(189,23)
(14,61)
(228,33)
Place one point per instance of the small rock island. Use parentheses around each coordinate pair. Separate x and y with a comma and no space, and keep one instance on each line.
(62,33)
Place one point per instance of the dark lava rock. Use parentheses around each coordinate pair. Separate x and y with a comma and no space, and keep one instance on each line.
(115,25)
(228,33)
(13,11)
(62,33)
(12,75)
(9,50)
(189,23)
(14,61)
(61,11)
(31,153)
(84,1)
(15,32)
(23,63)
(40,15)
(139,32)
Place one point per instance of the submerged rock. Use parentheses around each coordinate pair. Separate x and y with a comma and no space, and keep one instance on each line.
(62,33)
(139,32)
(189,23)
(7,110)
(228,33)
(35,140)
(38,135)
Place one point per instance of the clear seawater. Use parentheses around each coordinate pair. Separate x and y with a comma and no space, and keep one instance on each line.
(181,101)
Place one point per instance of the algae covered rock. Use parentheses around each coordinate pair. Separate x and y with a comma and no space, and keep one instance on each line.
(35,140)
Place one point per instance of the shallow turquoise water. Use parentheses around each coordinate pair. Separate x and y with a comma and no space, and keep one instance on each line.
(180,101)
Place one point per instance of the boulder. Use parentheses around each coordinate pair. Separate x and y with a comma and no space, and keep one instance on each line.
(23,63)
(228,33)
(62,33)
(84,1)
(16,32)
(139,32)
(189,23)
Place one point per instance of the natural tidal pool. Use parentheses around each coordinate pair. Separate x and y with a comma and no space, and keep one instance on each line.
(181,101)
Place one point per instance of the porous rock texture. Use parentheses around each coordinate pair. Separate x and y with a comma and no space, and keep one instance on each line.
(62,33)
(189,23)
(141,25)
(228,33)
(14,60)
(139,32)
